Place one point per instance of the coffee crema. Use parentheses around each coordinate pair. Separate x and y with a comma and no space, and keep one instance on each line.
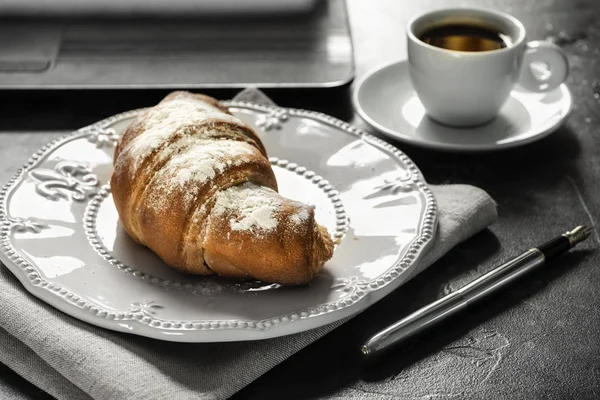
(463,37)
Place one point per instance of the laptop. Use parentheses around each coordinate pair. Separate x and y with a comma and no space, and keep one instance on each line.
(115,44)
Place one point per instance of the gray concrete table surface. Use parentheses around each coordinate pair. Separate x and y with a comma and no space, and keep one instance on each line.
(538,339)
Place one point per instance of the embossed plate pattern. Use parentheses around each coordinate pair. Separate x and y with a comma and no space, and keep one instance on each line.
(60,234)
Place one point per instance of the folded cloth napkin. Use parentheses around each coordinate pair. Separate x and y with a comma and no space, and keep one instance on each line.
(70,359)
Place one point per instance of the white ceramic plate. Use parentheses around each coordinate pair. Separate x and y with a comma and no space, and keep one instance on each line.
(61,237)
(386,100)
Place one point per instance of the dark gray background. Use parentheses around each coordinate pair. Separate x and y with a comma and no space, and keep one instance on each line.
(538,339)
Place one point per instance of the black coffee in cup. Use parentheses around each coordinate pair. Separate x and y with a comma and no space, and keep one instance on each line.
(463,37)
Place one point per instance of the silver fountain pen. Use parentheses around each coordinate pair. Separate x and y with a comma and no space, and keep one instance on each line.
(486,284)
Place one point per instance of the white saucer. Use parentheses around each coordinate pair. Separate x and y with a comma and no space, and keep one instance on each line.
(385,99)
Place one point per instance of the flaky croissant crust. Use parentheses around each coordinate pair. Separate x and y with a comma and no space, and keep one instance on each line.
(194,184)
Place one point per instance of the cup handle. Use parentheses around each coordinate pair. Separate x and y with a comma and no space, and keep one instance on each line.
(551,57)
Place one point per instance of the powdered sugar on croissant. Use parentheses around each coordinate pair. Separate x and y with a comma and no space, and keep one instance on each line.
(193,183)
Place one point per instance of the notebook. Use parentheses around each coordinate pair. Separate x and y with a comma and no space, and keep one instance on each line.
(85,44)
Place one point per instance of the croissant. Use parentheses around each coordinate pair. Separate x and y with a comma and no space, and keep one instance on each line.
(193,184)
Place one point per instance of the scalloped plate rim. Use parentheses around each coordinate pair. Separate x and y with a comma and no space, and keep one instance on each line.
(195,336)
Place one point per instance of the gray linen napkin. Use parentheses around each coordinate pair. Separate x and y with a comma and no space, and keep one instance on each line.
(70,359)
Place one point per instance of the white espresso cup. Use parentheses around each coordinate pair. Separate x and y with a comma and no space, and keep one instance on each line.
(468,88)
